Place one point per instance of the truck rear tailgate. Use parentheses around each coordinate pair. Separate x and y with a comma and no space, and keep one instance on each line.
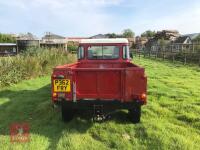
(98,83)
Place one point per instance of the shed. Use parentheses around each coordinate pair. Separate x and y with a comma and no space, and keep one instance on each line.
(50,40)
(8,49)
(25,41)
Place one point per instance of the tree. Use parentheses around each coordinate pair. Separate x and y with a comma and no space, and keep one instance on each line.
(162,42)
(128,33)
(148,34)
(111,35)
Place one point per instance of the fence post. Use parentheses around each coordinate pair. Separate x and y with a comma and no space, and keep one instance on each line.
(185,59)
(199,60)
(156,54)
(139,53)
(149,53)
(163,51)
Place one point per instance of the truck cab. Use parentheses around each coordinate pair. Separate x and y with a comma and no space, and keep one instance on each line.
(103,80)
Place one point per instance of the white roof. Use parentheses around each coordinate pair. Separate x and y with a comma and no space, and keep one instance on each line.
(8,44)
(113,40)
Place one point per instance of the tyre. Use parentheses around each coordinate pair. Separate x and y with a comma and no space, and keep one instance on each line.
(67,113)
(135,114)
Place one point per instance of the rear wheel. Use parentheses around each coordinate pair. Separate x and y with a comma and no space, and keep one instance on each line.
(135,114)
(67,113)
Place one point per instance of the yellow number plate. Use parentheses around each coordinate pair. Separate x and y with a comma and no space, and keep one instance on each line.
(62,85)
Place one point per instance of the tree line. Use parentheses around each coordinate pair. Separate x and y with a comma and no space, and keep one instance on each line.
(6,38)
(128,33)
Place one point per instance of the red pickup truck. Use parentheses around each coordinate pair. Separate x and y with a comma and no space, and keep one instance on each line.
(103,80)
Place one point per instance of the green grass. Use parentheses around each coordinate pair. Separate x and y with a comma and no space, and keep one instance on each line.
(170,120)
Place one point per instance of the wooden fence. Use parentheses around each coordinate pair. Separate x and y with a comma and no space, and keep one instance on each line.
(187,53)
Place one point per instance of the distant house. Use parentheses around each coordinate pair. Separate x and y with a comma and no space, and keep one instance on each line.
(131,41)
(183,40)
(193,37)
(99,36)
(25,41)
(167,35)
(50,40)
(162,40)
(8,49)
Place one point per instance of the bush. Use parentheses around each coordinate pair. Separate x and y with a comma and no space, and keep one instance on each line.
(30,64)
(72,48)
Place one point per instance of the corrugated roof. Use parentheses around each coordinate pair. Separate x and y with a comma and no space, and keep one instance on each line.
(52,36)
(28,36)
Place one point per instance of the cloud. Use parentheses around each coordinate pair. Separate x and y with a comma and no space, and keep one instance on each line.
(187,21)
(70,17)
(88,17)
(184,19)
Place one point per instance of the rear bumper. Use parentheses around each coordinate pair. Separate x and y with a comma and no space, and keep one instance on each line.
(106,104)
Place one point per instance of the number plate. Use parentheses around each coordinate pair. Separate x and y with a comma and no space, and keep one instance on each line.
(62,85)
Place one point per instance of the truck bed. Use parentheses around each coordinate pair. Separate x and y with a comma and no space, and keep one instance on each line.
(124,82)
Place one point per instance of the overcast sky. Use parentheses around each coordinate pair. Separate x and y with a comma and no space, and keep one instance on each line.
(89,17)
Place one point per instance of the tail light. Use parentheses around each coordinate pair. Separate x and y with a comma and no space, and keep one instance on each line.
(143,96)
(54,94)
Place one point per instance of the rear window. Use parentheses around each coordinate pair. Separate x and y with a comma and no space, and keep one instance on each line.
(125,52)
(103,52)
(80,52)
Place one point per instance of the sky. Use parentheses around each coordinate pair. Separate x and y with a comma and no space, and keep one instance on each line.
(90,17)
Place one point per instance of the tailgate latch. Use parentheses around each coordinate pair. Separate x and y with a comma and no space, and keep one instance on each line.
(74,91)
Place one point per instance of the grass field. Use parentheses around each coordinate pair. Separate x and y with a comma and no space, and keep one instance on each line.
(170,120)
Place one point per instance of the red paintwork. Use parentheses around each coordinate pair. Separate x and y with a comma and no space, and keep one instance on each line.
(104,79)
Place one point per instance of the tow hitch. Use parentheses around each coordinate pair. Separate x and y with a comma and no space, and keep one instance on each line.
(98,114)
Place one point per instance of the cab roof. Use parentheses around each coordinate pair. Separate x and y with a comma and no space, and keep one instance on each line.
(113,40)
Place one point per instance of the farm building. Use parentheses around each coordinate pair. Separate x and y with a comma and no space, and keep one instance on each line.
(167,35)
(140,42)
(25,41)
(51,40)
(106,36)
(131,41)
(74,40)
(99,36)
(8,49)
